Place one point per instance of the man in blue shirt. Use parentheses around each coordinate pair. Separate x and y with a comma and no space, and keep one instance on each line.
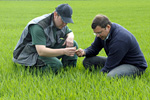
(125,57)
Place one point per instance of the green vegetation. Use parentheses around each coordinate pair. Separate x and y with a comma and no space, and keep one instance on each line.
(16,83)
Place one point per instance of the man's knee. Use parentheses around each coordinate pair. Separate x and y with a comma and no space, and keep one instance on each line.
(56,65)
(112,74)
(86,62)
(124,70)
(52,63)
(95,61)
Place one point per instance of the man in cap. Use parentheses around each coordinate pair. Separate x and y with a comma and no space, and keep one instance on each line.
(124,56)
(46,39)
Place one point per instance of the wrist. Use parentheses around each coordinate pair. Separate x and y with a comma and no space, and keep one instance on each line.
(64,51)
(84,53)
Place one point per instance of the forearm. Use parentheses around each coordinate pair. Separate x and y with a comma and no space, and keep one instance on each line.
(95,47)
(90,51)
(69,40)
(42,50)
(70,35)
(48,52)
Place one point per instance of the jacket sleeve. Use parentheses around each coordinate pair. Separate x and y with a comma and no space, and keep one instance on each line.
(95,47)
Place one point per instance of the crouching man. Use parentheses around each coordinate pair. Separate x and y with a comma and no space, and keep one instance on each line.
(124,56)
(46,39)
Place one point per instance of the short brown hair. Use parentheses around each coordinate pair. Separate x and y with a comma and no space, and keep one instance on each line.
(100,20)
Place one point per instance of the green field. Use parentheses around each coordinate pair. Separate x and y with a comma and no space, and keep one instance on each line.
(16,83)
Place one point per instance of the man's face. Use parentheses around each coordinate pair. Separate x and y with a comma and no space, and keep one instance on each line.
(102,32)
(58,21)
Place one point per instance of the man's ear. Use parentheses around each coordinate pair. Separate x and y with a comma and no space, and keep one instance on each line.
(108,26)
(55,14)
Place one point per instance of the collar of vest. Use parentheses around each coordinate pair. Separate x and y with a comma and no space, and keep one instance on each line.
(48,21)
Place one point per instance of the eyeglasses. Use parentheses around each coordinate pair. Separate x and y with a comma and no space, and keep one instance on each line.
(98,33)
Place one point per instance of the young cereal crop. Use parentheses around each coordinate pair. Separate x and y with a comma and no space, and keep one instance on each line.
(18,83)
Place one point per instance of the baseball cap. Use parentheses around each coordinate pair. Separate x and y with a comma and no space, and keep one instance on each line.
(65,11)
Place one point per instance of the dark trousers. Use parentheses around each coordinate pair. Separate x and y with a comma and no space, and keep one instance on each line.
(121,70)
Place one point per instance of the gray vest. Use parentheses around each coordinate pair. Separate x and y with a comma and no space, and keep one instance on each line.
(25,53)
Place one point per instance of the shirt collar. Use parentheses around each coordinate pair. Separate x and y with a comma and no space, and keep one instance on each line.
(111,31)
(107,37)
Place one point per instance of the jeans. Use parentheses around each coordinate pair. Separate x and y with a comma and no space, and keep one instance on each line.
(121,70)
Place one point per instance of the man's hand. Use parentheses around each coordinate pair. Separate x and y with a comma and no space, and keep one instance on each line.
(70,51)
(69,40)
(80,52)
